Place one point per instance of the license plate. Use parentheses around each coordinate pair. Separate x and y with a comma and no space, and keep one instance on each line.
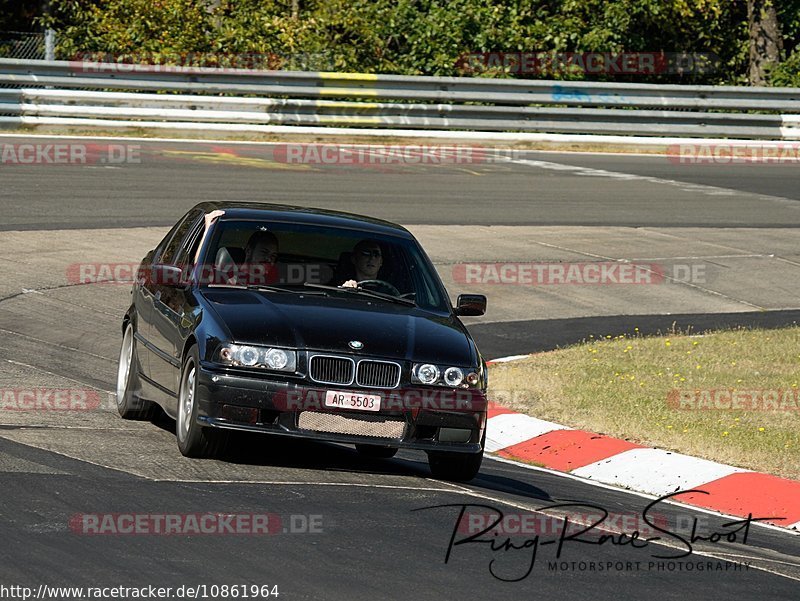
(352,400)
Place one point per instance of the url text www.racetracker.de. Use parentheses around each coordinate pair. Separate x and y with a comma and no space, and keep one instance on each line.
(199,591)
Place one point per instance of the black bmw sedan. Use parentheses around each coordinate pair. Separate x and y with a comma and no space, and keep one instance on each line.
(306,323)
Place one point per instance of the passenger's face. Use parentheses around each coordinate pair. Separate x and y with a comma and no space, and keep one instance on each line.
(368,261)
(264,253)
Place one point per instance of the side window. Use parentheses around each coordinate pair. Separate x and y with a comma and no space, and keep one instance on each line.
(190,243)
(428,295)
(169,254)
(159,250)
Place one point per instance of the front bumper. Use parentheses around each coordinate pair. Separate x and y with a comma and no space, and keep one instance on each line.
(427,419)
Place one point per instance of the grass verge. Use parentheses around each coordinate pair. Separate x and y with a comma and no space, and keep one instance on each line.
(729,396)
(353,138)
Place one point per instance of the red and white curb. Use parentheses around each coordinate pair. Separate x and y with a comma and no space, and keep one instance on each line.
(730,490)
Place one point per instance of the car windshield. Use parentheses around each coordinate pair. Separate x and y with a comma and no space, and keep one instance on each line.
(278,256)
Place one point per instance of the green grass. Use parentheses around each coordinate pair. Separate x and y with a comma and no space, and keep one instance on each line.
(353,138)
(620,387)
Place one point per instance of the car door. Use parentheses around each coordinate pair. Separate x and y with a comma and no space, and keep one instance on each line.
(143,293)
(169,305)
(142,300)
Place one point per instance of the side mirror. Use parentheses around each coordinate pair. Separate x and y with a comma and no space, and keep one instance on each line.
(470,305)
(169,275)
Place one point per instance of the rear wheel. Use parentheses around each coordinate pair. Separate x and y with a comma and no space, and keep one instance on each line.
(129,405)
(376,451)
(195,440)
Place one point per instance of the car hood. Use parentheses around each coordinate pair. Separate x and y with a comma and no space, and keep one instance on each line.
(329,323)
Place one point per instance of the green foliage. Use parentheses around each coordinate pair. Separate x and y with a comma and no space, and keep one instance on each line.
(787,73)
(131,27)
(18,15)
(428,37)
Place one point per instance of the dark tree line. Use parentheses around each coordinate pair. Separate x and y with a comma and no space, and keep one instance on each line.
(755,41)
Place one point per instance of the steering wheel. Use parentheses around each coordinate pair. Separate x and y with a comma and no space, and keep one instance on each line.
(379,286)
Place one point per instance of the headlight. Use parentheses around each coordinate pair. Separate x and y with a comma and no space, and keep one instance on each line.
(444,375)
(276,358)
(428,374)
(453,376)
(247,355)
(258,356)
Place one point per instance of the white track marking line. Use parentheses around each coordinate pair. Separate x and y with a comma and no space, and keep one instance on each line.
(739,556)
(618,175)
(623,261)
(18,427)
(302,483)
(58,375)
(62,346)
(509,358)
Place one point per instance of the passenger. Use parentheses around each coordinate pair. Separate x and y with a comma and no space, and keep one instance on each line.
(260,256)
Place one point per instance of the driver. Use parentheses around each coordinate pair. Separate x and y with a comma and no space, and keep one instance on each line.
(367,259)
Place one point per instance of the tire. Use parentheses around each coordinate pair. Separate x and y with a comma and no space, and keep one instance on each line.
(376,451)
(129,405)
(195,440)
(458,467)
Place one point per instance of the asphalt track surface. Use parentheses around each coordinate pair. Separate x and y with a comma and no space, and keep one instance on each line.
(534,189)
(372,543)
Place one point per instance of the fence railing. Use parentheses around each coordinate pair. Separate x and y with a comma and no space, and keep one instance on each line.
(22,45)
(122,95)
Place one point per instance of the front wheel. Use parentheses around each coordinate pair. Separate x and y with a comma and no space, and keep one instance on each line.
(459,467)
(194,440)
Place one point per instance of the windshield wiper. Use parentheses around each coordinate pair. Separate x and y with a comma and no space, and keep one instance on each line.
(364,292)
(264,287)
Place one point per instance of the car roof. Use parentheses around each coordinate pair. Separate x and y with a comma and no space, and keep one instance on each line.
(306,215)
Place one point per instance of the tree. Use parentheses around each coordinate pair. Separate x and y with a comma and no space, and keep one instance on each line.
(19,15)
(766,41)
(744,38)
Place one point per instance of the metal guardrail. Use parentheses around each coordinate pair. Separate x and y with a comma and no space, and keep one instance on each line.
(47,92)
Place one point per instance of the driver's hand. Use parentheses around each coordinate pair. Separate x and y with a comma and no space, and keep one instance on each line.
(349,284)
